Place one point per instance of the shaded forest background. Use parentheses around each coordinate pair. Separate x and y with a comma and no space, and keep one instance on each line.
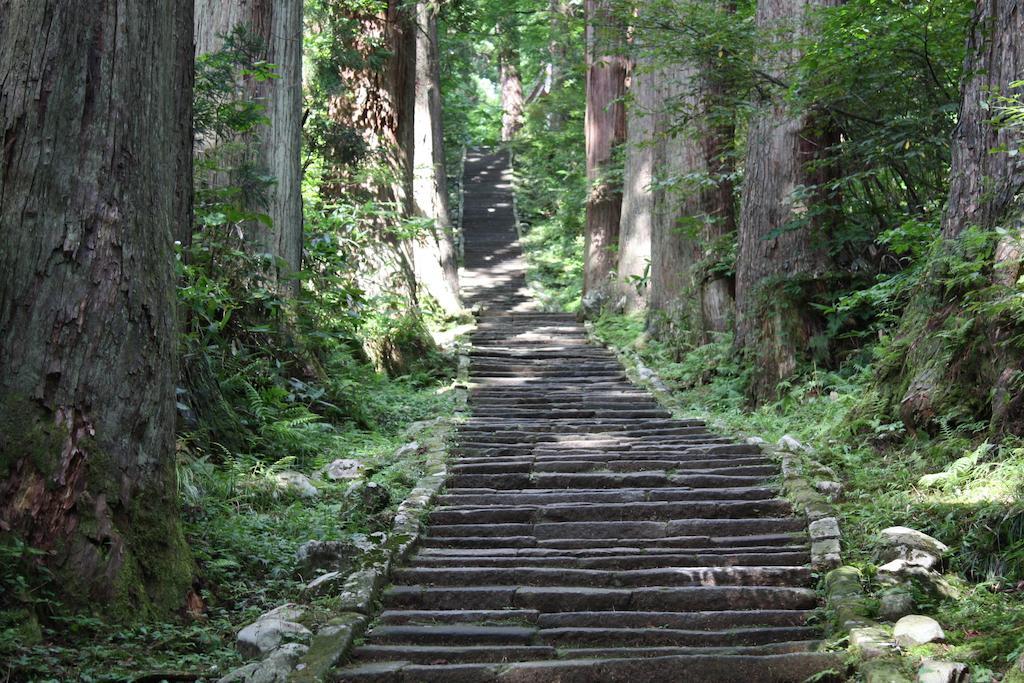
(804,215)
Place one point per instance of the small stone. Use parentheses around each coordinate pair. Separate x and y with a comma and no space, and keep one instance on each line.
(288,611)
(825,554)
(901,571)
(871,642)
(788,443)
(372,497)
(916,629)
(324,584)
(274,669)
(933,671)
(754,441)
(408,449)
(297,483)
(264,635)
(887,670)
(319,556)
(824,528)
(903,543)
(895,604)
(344,469)
(832,489)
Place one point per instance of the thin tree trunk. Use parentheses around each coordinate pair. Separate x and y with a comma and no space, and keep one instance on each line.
(605,128)
(95,112)
(434,252)
(979,378)
(783,252)
(278,25)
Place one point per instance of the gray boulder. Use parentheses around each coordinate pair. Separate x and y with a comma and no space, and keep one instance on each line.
(296,483)
(916,548)
(917,629)
(265,635)
(895,604)
(344,469)
(274,669)
(933,671)
(314,557)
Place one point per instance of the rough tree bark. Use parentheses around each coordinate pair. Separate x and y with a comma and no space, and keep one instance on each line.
(605,128)
(511,83)
(783,252)
(689,299)
(635,224)
(978,378)
(95,119)
(434,254)
(675,246)
(278,25)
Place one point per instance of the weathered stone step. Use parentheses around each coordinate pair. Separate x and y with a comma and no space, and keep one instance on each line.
(604,464)
(703,621)
(481,617)
(440,654)
(577,599)
(608,511)
(654,637)
(458,634)
(432,541)
(612,551)
(711,668)
(561,576)
(485,496)
(623,561)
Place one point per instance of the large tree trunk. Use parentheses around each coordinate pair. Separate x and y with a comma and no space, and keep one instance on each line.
(605,129)
(434,252)
(977,378)
(635,224)
(783,252)
(511,88)
(278,25)
(691,300)
(675,247)
(95,112)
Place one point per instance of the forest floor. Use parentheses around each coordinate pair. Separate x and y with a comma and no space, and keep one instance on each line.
(244,531)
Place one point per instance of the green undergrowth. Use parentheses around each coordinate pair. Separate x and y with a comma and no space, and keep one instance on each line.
(953,485)
(243,529)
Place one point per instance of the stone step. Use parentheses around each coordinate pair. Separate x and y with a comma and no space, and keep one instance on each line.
(707,668)
(622,561)
(608,511)
(560,576)
(676,542)
(484,496)
(577,598)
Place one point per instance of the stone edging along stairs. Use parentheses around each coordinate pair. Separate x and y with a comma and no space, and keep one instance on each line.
(585,534)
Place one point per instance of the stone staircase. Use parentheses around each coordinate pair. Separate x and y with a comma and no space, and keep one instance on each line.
(585,534)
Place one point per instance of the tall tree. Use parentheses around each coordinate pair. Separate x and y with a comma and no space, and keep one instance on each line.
(511,82)
(605,128)
(434,254)
(690,293)
(96,124)
(783,257)
(635,224)
(979,375)
(277,27)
